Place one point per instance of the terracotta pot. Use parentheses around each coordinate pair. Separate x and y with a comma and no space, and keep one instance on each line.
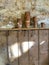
(34,22)
(27,23)
(27,19)
(27,13)
(42,25)
(19,23)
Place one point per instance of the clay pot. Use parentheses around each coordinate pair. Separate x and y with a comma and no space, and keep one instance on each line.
(27,15)
(27,19)
(34,22)
(19,23)
(42,25)
(27,23)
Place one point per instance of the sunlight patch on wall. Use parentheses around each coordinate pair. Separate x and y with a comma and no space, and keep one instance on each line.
(27,45)
(15,50)
(42,42)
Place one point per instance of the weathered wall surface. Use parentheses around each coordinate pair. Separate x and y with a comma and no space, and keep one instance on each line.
(33,51)
(17,7)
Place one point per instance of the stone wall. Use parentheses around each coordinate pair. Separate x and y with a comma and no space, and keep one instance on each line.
(17,7)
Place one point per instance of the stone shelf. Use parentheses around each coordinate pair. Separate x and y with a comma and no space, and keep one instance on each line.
(14,29)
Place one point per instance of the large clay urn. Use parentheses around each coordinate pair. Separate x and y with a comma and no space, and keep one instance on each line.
(27,19)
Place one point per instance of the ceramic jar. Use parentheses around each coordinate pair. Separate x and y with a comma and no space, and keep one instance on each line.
(27,19)
(19,23)
(42,25)
(35,24)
